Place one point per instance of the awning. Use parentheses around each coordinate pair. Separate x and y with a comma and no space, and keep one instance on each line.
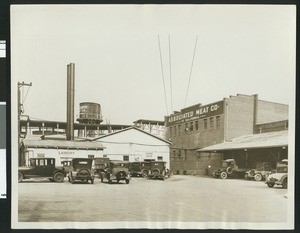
(59,144)
(253,141)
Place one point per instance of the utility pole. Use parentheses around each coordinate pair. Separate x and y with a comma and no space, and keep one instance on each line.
(20,106)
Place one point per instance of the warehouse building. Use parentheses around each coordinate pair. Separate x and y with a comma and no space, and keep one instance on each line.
(133,144)
(200,126)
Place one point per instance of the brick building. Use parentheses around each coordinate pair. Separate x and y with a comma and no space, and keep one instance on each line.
(200,126)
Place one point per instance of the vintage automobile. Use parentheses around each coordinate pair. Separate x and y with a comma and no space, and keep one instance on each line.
(280,177)
(100,163)
(42,168)
(81,170)
(262,170)
(158,170)
(116,170)
(229,169)
(139,168)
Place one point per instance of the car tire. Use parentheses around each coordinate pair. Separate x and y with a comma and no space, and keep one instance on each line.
(20,177)
(144,173)
(58,177)
(270,185)
(127,181)
(284,183)
(229,170)
(258,177)
(223,175)
(246,176)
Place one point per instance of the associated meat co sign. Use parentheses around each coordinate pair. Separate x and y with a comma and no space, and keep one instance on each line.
(195,112)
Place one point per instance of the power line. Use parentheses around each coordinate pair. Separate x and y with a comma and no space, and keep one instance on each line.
(191,72)
(163,76)
(170,74)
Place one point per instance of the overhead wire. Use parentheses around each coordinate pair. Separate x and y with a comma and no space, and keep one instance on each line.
(191,71)
(163,76)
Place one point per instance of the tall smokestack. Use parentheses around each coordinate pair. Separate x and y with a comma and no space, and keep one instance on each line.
(70,101)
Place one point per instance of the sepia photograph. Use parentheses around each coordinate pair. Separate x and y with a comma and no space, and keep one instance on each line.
(153,116)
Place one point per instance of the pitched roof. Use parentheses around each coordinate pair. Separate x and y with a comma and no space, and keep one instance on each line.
(253,141)
(135,128)
(59,144)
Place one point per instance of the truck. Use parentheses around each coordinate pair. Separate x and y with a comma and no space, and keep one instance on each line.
(229,168)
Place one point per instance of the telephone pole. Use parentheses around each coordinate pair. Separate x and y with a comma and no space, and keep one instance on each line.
(20,106)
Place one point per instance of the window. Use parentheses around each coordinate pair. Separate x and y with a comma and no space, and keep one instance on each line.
(205,123)
(170,131)
(179,129)
(186,127)
(125,157)
(218,123)
(42,162)
(286,125)
(174,130)
(211,123)
(91,156)
(104,156)
(159,158)
(196,125)
(41,155)
(191,126)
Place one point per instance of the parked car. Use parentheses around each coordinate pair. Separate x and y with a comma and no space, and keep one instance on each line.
(42,167)
(81,170)
(262,170)
(280,177)
(116,170)
(139,168)
(100,164)
(229,168)
(158,170)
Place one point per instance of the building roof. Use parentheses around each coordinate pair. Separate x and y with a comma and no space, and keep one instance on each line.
(135,128)
(145,121)
(253,141)
(59,144)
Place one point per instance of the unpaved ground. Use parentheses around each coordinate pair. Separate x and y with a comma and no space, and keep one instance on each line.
(179,198)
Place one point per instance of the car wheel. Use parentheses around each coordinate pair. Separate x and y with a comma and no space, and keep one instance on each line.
(144,173)
(127,181)
(246,176)
(223,175)
(270,185)
(92,181)
(20,177)
(284,183)
(258,177)
(229,170)
(58,177)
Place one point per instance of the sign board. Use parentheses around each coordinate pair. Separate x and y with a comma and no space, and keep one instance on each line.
(195,112)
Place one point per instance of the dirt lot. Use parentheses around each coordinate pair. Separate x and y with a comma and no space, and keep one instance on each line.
(179,198)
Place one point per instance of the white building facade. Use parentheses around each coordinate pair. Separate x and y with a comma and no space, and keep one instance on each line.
(133,144)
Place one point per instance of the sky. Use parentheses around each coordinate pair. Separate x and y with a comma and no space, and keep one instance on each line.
(240,49)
